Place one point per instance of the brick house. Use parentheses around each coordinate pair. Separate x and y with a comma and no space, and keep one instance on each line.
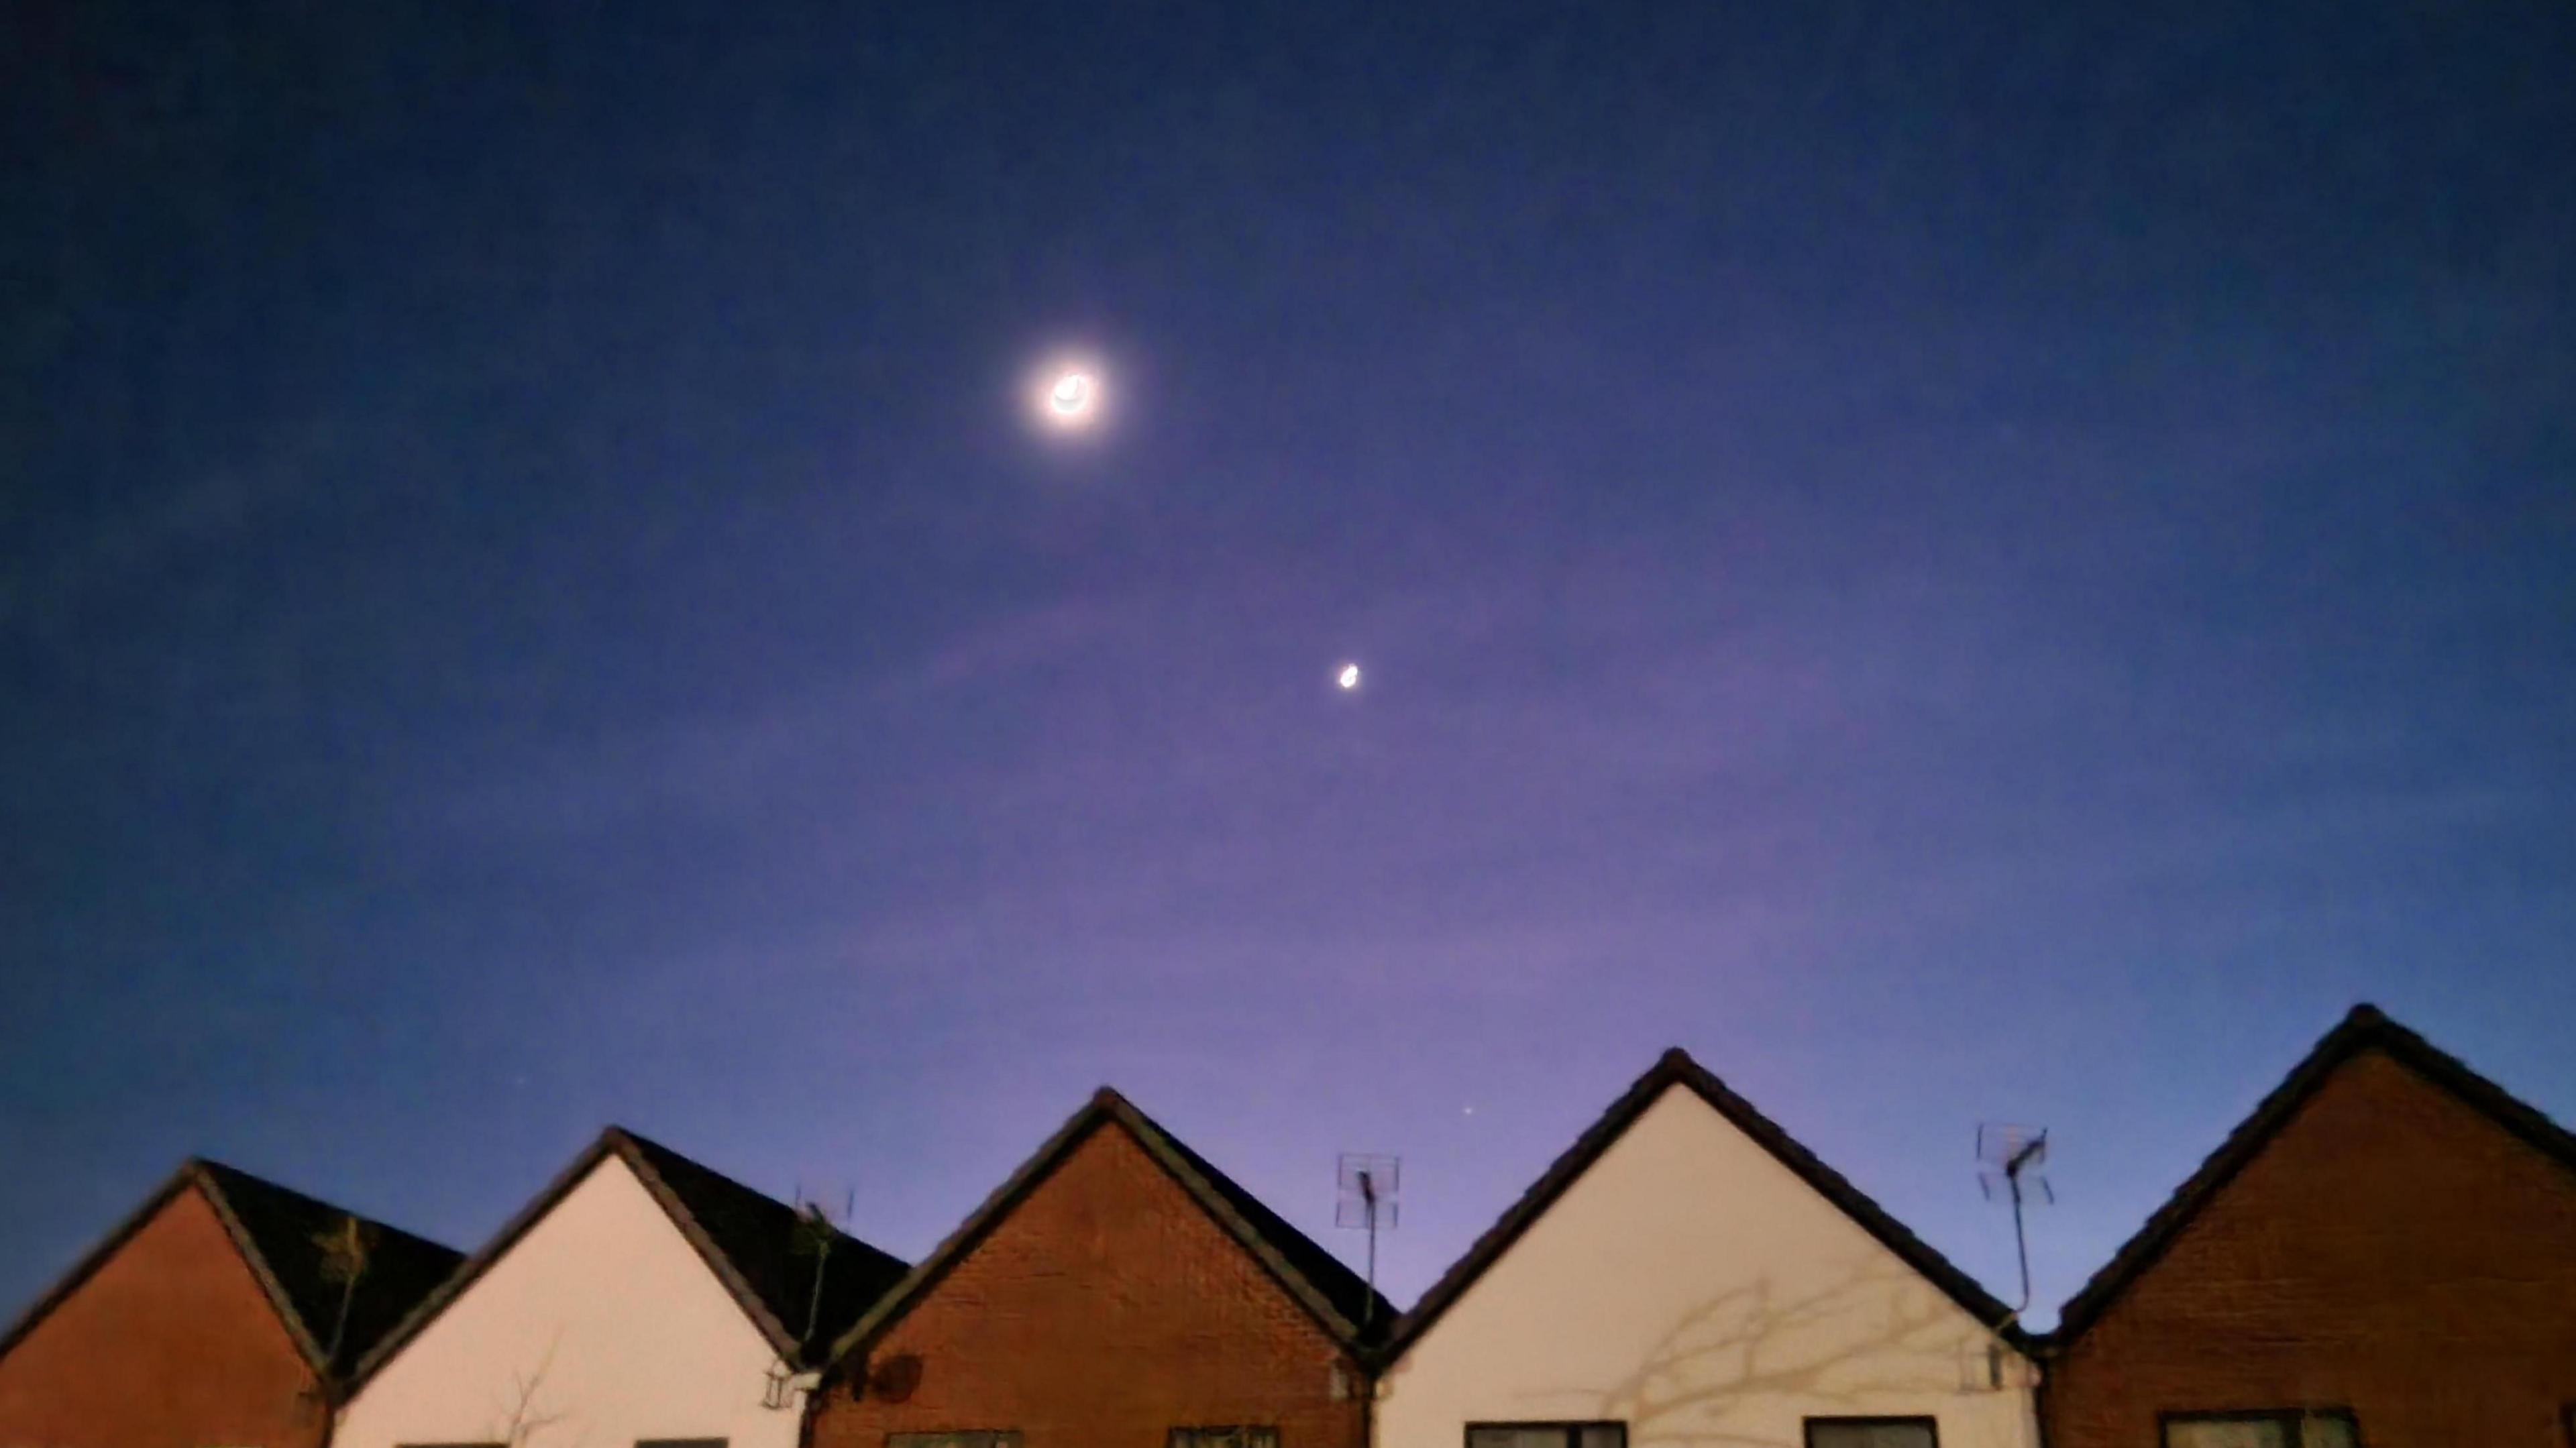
(2384,1253)
(210,1316)
(1689,1275)
(640,1298)
(1116,1292)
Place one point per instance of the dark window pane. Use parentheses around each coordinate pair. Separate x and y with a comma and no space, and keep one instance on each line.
(2225,1433)
(2286,1428)
(1871,1433)
(2328,1432)
(1547,1435)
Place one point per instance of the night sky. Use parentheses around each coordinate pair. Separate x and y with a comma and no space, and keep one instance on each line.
(1961,566)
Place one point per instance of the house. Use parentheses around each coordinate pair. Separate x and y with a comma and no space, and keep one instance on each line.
(640,1299)
(1688,1274)
(1117,1292)
(2384,1253)
(223,1311)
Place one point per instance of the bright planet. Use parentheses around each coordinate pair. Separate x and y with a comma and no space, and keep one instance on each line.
(1349,678)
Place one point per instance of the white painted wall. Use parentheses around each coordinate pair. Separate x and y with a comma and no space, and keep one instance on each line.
(622,1325)
(1693,1287)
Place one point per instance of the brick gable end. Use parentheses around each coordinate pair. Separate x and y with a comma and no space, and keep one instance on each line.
(170,1343)
(1105,1309)
(2391,1250)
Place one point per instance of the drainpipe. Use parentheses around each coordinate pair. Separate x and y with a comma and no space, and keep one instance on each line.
(823,1378)
(326,1399)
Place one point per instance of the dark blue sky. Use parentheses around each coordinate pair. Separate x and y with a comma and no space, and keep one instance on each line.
(1959,566)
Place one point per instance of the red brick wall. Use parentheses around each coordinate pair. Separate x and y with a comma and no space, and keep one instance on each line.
(1103,1312)
(170,1344)
(2392,1251)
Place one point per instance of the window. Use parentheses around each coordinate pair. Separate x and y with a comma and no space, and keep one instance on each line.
(1547,1435)
(2269,1428)
(963,1438)
(1872,1433)
(1236,1437)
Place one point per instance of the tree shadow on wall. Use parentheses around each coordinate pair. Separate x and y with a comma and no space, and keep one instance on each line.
(520,1419)
(1845,1346)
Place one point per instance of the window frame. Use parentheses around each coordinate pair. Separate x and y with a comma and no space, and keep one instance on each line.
(1172,1436)
(999,1437)
(1572,1428)
(1925,1421)
(2288,1418)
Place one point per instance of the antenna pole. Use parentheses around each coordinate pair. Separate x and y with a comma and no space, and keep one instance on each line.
(2021,1245)
(1367,1183)
(1368,1198)
(2021,1240)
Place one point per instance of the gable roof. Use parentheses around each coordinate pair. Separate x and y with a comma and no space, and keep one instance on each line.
(1337,1298)
(751,1242)
(1675,1069)
(276,1231)
(757,1237)
(2364,1029)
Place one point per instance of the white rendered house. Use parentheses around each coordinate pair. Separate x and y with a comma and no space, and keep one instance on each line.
(641,1299)
(1688,1276)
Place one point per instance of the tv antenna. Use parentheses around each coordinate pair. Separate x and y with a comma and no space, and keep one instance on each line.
(2010,1158)
(812,1233)
(1368,1183)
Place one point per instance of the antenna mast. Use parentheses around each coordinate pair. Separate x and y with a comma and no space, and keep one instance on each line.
(1368,1183)
(2012,1155)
